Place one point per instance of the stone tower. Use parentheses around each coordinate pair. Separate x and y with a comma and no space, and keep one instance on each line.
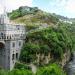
(11,42)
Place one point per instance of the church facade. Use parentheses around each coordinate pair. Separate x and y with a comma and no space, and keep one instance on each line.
(11,41)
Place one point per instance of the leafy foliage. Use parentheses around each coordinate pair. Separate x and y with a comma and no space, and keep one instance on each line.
(22,11)
(52,40)
(16,72)
(53,69)
(20,65)
(32,16)
(56,40)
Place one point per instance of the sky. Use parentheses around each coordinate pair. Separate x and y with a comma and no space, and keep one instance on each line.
(61,7)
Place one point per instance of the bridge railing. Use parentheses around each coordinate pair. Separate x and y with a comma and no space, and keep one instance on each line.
(12,37)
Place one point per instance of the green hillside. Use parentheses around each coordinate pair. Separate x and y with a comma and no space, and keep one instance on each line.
(44,46)
(32,17)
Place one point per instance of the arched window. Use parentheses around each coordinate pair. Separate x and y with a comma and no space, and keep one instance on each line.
(7,37)
(13,44)
(10,36)
(2,35)
(16,55)
(19,43)
(13,56)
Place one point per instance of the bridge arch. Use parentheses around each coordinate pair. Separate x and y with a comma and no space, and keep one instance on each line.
(1,45)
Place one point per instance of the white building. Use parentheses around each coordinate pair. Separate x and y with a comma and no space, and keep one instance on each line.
(11,42)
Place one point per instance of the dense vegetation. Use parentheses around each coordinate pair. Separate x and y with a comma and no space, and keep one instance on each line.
(53,41)
(32,17)
(25,10)
(16,72)
(52,69)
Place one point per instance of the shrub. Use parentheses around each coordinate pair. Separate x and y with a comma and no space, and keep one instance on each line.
(53,69)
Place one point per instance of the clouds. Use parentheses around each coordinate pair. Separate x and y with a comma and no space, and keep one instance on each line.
(14,4)
(63,7)
(70,6)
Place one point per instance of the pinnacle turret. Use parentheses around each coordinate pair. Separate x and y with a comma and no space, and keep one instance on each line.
(4,18)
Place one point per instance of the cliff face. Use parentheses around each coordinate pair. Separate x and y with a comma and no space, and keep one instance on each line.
(47,46)
(42,59)
(66,58)
(43,45)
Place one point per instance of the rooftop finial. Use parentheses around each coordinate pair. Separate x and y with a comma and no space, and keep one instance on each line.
(4,19)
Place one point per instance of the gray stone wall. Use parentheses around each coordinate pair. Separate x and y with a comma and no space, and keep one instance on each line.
(13,42)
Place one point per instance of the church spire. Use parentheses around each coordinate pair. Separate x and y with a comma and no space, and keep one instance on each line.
(4,18)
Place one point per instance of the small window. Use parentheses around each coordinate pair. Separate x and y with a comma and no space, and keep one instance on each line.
(13,56)
(18,28)
(2,37)
(13,44)
(16,55)
(2,34)
(10,36)
(19,43)
(7,37)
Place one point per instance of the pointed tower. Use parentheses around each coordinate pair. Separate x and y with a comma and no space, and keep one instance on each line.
(4,18)
(11,41)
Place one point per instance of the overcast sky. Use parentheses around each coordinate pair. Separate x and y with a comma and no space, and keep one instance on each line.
(62,7)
